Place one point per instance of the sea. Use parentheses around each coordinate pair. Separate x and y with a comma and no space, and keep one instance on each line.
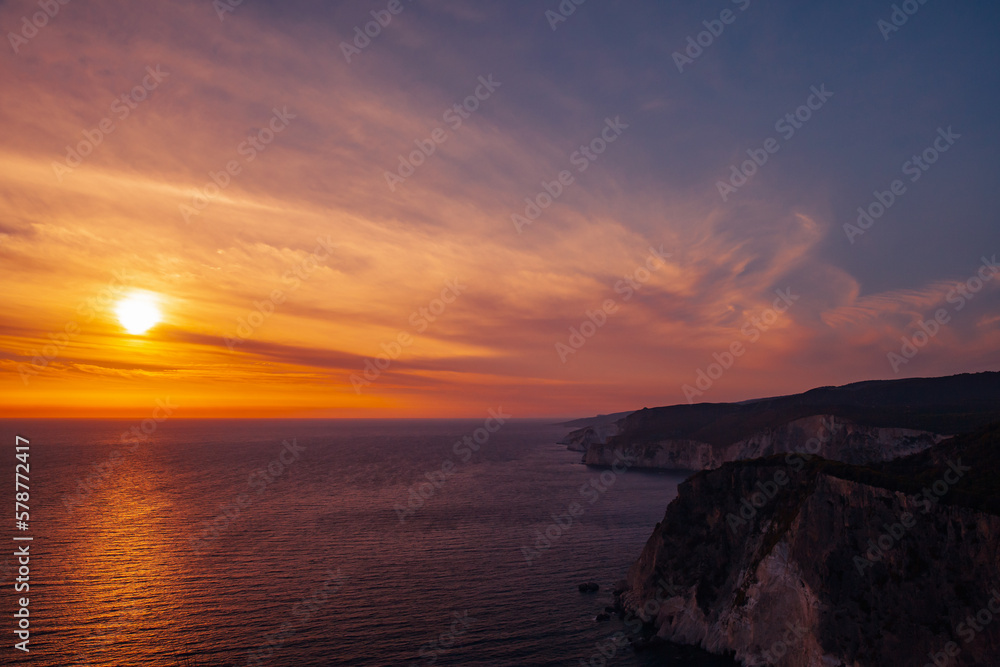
(305,543)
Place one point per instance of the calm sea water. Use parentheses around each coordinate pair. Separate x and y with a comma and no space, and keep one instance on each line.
(213,543)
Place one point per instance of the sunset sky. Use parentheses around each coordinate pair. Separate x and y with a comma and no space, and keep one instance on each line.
(162,95)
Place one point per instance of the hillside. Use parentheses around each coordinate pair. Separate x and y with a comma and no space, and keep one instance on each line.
(886,419)
(798,561)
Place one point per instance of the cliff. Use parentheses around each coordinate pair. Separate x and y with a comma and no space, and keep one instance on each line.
(581,439)
(868,422)
(795,561)
(828,436)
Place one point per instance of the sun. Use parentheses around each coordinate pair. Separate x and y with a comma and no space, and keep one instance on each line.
(138,312)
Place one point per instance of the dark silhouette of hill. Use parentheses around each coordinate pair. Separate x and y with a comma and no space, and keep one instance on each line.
(946,405)
(599,419)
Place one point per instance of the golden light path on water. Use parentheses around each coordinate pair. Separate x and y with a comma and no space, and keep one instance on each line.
(126,569)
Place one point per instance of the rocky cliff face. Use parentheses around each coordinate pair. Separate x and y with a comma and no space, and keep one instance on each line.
(598,434)
(673,454)
(798,562)
(828,436)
